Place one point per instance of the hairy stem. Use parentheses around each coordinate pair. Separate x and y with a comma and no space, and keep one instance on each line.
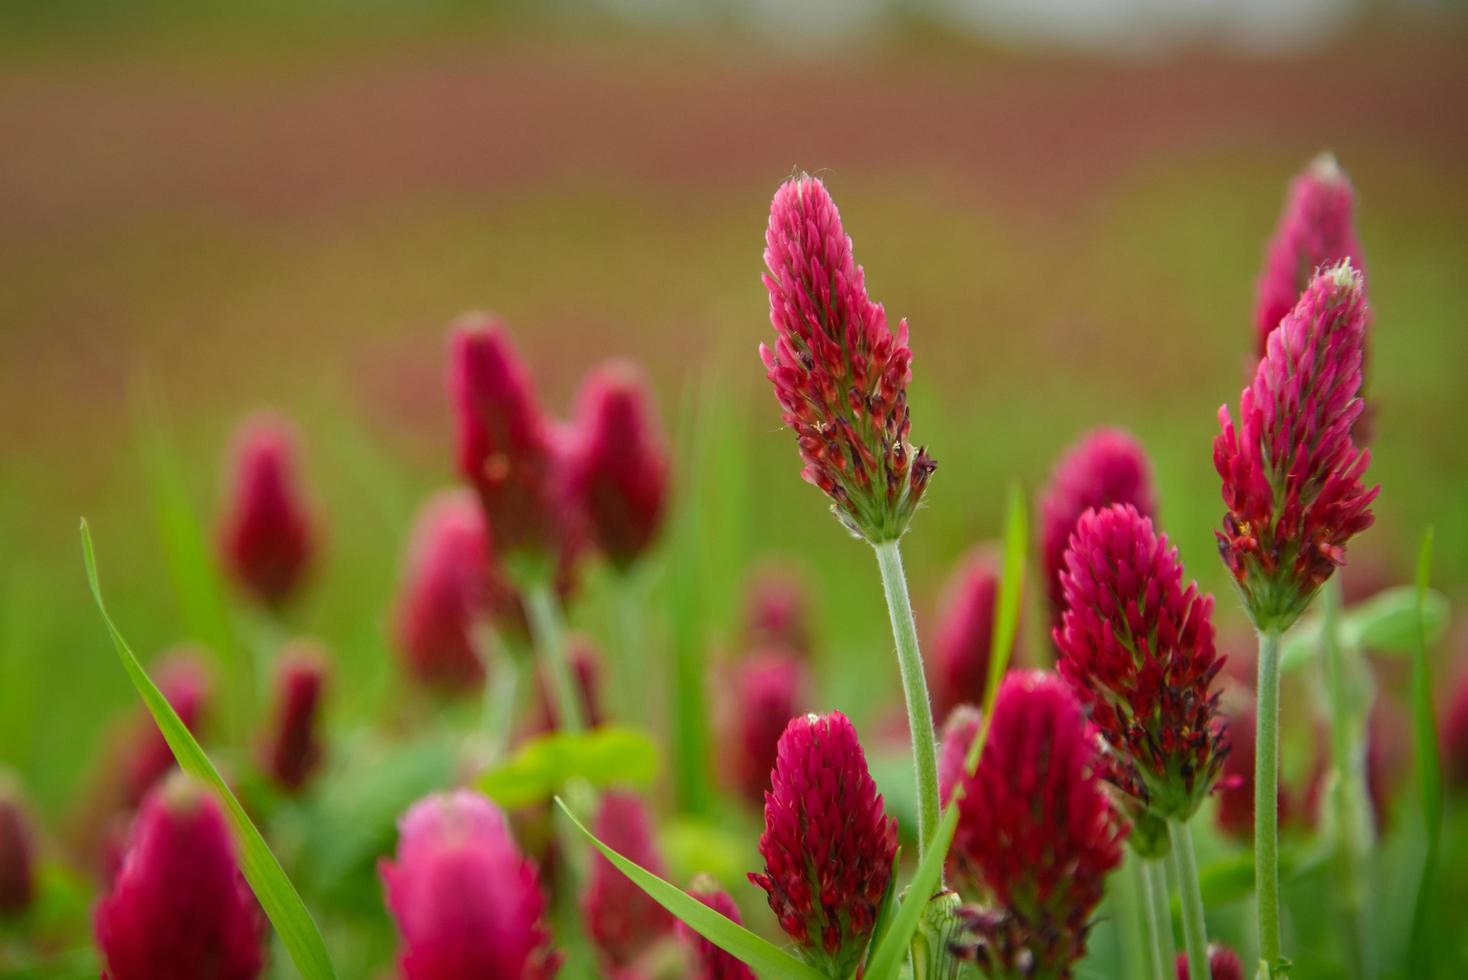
(1266,802)
(1195,932)
(549,635)
(914,690)
(1156,923)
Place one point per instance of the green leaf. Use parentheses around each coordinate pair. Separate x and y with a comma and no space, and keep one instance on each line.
(1429,775)
(752,950)
(1388,624)
(1011,592)
(293,923)
(610,756)
(890,952)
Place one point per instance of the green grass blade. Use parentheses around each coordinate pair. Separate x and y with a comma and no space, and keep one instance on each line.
(1429,776)
(888,956)
(267,879)
(1011,593)
(754,951)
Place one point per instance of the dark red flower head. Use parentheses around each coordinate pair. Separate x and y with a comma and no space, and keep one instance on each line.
(618,469)
(776,613)
(1037,830)
(292,749)
(711,962)
(965,630)
(17,852)
(467,904)
(828,843)
(840,373)
(266,534)
(1455,735)
(185,683)
(620,917)
(179,908)
(769,690)
(1223,964)
(586,671)
(508,449)
(1138,650)
(1105,467)
(1316,229)
(1291,474)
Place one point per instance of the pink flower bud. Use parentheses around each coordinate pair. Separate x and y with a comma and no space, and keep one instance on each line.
(1315,230)
(1291,474)
(507,448)
(1138,650)
(1223,964)
(179,908)
(586,671)
(828,844)
(185,683)
(620,917)
(960,664)
(17,853)
(292,749)
(266,535)
(769,690)
(840,373)
(467,904)
(777,613)
(711,962)
(618,467)
(1105,467)
(1038,831)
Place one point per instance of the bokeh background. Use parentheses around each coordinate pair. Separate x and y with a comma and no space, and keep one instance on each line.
(205,211)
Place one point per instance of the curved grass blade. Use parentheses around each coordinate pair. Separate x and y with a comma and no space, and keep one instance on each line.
(890,952)
(278,897)
(755,952)
(1429,776)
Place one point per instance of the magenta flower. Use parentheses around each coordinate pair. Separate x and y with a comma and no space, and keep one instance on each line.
(292,749)
(960,664)
(1223,964)
(840,373)
(17,853)
(828,843)
(1105,467)
(467,904)
(181,677)
(586,672)
(711,962)
(620,917)
(777,614)
(266,534)
(1316,230)
(1038,832)
(769,689)
(179,908)
(1291,474)
(508,451)
(618,467)
(1138,650)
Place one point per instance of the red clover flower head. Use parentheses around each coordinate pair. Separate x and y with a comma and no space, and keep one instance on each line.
(292,750)
(1138,650)
(466,902)
(840,373)
(965,631)
(179,907)
(1223,964)
(618,467)
(622,920)
(711,962)
(828,844)
(1291,473)
(17,852)
(1038,831)
(769,690)
(1315,230)
(1105,467)
(266,534)
(777,614)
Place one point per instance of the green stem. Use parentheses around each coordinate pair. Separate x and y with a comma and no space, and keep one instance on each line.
(1155,920)
(1195,932)
(914,690)
(636,680)
(1266,802)
(549,635)
(1156,870)
(501,688)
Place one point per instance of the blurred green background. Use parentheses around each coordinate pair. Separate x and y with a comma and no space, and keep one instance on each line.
(216,211)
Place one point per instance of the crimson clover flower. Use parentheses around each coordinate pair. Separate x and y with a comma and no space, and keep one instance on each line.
(1291,473)
(828,844)
(467,904)
(1037,831)
(777,613)
(840,372)
(292,750)
(1138,650)
(179,907)
(960,664)
(769,689)
(266,534)
(711,962)
(1223,964)
(622,920)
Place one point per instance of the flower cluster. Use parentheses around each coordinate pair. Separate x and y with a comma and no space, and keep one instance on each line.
(620,917)
(828,844)
(1040,834)
(1291,473)
(840,373)
(293,749)
(266,535)
(1138,649)
(960,663)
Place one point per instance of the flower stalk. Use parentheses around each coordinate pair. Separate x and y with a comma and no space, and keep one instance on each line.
(548,633)
(1156,923)
(1185,864)
(1266,803)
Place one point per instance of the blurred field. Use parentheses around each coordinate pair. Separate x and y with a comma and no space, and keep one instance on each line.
(233,224)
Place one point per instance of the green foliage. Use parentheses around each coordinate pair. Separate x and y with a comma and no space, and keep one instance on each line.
(609,756)
(1390,623)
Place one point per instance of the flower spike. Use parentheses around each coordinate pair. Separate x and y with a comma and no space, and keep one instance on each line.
(266,534)
(620,917)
